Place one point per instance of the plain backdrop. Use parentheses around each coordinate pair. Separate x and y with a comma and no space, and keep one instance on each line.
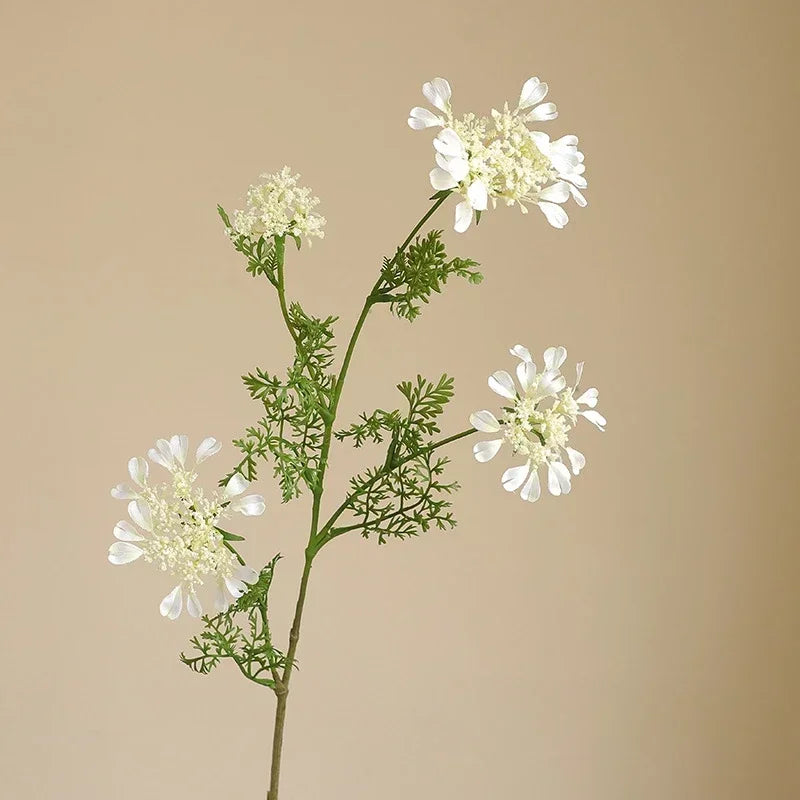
(637,639)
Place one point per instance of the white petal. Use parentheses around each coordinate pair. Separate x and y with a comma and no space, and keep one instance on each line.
(542,113)
(514,477)
(578,373)
(589,398)
(236,485)
(463,217)
(124,491)
(484,421)
(438,93)
(533,92)
(578,197)
(577,460)
(221,598)
(550,384)
(421,118)
(478,195)
(246,574)
(521,352)
(526,374)
(123,553)
(532,489)
(503,384)
(172,604)
(207,448)
(595,417)
(556,215)
(558,481)
(570,140)
(138,470)
(486,451)
(441,179)
(125,532)
(251,506)
(554,357)
(139,512)
(449,144)
(557,193)
(542,141)
(458,167)
(179,446)
(193,605)
(157,458)
(236,587)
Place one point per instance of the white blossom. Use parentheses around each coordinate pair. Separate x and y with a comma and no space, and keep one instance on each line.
(537,423)
(174,525)
(498,158)
(277,206)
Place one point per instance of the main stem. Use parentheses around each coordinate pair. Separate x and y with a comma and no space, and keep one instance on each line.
(315,541)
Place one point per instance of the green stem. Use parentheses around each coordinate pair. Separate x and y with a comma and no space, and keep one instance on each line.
(314,542)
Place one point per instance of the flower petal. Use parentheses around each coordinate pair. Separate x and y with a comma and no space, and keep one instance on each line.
(554,357)
(556,215)
(484,421)
(514,477)
(138,470)
(463,217)
(236,587)
(448,143)
(193,605)
(542,113)
(123,553)
(503,384)
(577,460)
(442,180)
(533,92)
(458,167)
(139,512)
(159,459)
(251,506)
(222,599)
(421,118)
(172,605)
(246,574)
(236,485)
(532,489)
(521,352)
(207,448)
(486,451)
(438,93)
(555,193)
(595,417)
(558,481)
(478,195)
(125,532)
(578,373)
(526,374)
(124,491)
(589,398)
(179,446)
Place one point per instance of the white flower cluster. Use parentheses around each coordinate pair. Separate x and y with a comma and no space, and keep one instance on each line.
(538,423)
(498,157)
(176,526)
(277,206)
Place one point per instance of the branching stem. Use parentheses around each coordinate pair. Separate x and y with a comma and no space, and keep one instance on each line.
(318,537)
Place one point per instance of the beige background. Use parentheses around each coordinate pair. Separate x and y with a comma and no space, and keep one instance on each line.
(635,640)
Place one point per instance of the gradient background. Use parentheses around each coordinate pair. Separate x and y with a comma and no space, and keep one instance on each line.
(637,639)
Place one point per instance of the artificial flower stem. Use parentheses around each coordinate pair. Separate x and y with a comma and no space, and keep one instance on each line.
(314,544)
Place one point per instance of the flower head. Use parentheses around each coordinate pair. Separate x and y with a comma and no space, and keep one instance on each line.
(175,526)
(499,158)
(538,423)
(277,206)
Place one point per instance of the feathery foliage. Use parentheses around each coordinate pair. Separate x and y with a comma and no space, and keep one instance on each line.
(296,409)
(241,634)
(412,275)
(406,495)
(261,255)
